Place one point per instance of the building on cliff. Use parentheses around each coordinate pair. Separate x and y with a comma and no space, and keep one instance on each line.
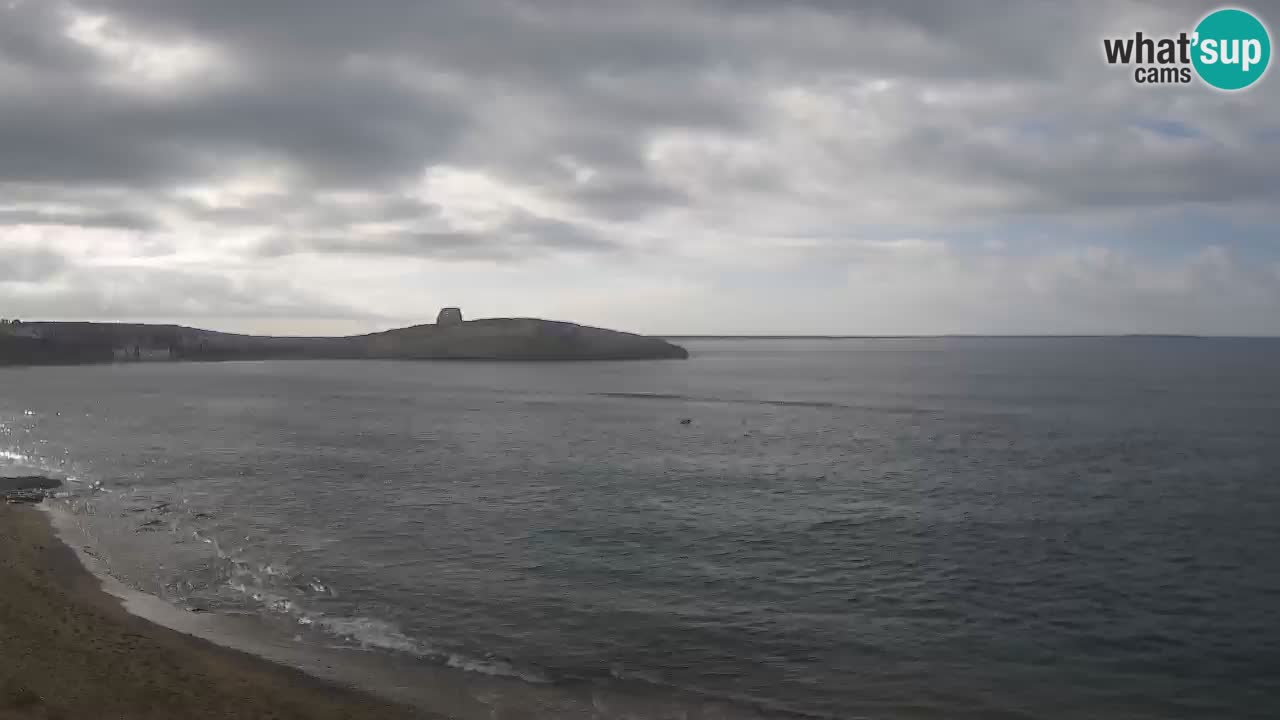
(449,316)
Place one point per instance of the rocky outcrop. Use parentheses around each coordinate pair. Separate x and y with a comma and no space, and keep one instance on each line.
(517,339)
(29,488)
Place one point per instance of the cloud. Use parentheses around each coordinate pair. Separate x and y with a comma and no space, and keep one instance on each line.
(933,288)
(29,265)
(121,220)
(319,138)
(43,285)
(518,239)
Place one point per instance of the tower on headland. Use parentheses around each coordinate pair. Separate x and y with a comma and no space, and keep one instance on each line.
(449,316)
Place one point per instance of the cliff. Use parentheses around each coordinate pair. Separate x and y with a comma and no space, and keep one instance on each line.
(493,339)
(515,339)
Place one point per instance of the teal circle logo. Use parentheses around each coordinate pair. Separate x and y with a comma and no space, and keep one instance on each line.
(1232,49)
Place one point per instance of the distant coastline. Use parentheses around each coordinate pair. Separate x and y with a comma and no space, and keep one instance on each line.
(450,338)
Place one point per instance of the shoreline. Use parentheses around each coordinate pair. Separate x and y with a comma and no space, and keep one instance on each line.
(71,649)
(238,667)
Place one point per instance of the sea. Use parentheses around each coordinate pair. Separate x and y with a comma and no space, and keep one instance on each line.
(953,527)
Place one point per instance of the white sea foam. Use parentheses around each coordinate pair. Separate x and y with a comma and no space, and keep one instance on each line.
(496,668)
(16,458)
(272,588)
(375,634)
(370,633)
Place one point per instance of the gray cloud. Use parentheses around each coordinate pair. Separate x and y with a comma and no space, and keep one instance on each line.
(520,237)
(68,291)
(29,265)
(368,97)
(32,38)
(298,130)
(334,130)
(119,220)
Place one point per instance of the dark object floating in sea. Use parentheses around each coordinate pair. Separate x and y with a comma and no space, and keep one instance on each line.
(686,421)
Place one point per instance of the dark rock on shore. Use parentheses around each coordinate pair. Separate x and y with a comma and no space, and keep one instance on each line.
(28,488)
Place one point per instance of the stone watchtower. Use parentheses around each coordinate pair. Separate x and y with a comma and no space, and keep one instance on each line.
(449,316)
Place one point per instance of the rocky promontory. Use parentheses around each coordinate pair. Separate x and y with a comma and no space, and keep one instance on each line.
(514,339)
(450,338)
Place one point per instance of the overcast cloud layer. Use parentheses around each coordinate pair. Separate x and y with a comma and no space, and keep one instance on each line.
(886,167)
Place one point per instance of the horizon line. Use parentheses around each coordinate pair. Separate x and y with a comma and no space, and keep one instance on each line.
(734,336)
(1028,336)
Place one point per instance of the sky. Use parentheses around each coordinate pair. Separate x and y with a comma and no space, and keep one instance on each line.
(667,167)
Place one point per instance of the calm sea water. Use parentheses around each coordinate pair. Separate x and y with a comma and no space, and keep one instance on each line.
(926,528)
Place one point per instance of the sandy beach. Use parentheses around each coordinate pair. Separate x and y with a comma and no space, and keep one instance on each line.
(69,650)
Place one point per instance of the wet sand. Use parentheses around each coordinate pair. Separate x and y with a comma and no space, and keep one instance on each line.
(69,650)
